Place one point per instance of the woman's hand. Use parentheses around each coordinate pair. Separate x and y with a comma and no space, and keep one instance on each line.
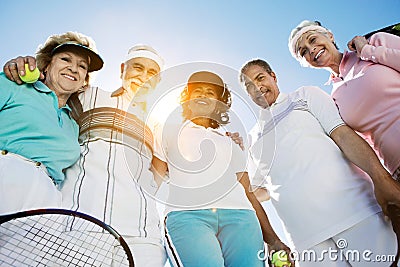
(236,138)
(356,44)
(278,245)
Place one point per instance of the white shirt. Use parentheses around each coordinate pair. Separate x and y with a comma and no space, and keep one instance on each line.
(316,191)
(202,166)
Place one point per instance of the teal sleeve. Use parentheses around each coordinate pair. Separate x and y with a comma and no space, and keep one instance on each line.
(6,87)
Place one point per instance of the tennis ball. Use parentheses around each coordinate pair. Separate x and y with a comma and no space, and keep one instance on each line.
(30,76)
(396,27)
(280,258)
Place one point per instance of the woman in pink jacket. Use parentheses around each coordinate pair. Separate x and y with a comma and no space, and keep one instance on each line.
(366,83)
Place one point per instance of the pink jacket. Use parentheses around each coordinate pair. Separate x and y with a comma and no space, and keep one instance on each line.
(367,93)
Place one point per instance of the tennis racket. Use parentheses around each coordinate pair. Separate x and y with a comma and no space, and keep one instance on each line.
(393,29)
(58,237)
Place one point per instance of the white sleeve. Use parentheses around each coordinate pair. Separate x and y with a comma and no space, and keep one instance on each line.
(258,172)
(160,144)
(323,108)
(257,179)
(238,158)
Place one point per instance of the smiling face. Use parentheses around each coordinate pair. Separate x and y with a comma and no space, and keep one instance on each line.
(261,85)
(140,73)
(203,99)
(66,73)
(318,49)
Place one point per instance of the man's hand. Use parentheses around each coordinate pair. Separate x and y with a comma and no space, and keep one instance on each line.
(359,152)
(387,193)
(16,66)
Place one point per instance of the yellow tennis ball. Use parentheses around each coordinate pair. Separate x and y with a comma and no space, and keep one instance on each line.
(30,76)
(280,258)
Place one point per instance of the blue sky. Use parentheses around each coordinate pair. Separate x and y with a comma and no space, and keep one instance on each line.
(221,31)
(227,32)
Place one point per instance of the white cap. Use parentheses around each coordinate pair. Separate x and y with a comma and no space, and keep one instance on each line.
(145,51)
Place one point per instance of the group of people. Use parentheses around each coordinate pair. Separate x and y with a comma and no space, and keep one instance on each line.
(91,150)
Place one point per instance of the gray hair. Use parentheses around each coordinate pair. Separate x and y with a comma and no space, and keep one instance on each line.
(255,62)
(297,33)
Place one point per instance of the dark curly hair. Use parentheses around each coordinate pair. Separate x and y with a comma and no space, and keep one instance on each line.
(219,116)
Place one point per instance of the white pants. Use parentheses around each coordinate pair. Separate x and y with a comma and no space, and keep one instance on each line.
(371,242)
(146,254)
(25,186)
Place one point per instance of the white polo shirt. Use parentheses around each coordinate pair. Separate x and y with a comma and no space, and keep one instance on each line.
(316,191)
(202,166)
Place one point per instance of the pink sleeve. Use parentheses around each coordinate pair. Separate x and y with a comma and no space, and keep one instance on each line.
(383,48)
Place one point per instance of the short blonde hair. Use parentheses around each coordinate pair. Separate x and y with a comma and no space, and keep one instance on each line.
(44,54)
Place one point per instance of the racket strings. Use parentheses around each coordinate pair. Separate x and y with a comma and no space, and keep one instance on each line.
(58,240)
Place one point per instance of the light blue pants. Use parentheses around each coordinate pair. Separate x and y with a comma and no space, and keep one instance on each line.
(214,237)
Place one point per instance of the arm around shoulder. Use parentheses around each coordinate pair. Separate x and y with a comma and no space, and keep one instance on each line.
(159,169)
(16,66)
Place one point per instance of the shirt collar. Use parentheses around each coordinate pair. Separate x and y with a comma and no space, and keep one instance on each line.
(117,92)
(190,124)
(128,96)
(281,97)
(41,87)
(122,91)
(67,108)
(265,113)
